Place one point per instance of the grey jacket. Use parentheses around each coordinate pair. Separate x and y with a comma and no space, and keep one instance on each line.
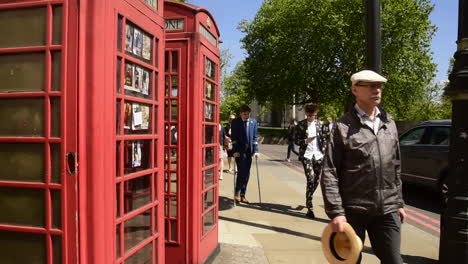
(361,170)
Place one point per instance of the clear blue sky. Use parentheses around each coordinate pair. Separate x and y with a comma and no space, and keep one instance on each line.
(228,13)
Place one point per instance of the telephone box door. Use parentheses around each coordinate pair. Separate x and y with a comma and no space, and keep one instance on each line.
(176,134)
(38,161)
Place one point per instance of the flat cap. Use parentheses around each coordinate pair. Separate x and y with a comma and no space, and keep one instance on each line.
(367,76)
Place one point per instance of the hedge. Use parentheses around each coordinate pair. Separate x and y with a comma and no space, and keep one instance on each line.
(272,131)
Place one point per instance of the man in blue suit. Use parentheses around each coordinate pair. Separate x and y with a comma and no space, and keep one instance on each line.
(244,133)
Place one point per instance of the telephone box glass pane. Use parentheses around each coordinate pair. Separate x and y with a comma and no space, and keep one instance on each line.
(57,248)
(117,159)
(173,187)
(138,118)
(117,240)
(209,156)
(142,256)
(209,112)
(166,111)
(155,220)
(175,61)
(174,110)
(166,182)
(173,159)
(174,230)
(138,43)
(173,135)
(137,155)
(22,206)
(13,246)
(166,85)
(27,25)
(174,207)
(57,25)
(208,221)
(119,33)
(117,198)
(166,60)
(137,81)
(137,193)
(209,134)
(56,70)
(208,199)
(137,229)
(56,166)
(22,162)
(23,72)
(22,117)
(209,91)
(118,74)
(174,85)
(155,121)
(117,119)
(166,158)
(56,111)
(209,177)
(147,47)
(56,209)
(210,69)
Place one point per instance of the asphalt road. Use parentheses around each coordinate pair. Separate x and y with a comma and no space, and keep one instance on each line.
(423,206)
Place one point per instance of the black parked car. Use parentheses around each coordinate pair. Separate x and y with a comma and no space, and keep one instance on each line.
(424,154)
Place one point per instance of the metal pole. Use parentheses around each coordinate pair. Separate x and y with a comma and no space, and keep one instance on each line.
(454,228)
(373,36)
(258,180)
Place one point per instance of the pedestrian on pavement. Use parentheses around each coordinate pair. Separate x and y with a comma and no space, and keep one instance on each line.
(309,139)
(291,138)
(361,181)
(222,151)
(228,144)
(244,141)
(326,130)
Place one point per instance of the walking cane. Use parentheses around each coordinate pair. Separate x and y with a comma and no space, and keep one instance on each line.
(258,180)
(234,189)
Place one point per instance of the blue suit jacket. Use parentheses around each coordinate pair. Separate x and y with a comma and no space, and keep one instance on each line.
(239,140)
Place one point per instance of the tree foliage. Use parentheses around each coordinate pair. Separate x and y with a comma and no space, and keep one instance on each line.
(310,48)
(234,91)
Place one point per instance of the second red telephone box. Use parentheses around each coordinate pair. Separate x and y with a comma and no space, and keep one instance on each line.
(191,132)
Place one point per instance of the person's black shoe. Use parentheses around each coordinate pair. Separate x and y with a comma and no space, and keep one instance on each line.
(243,200)
(310,214)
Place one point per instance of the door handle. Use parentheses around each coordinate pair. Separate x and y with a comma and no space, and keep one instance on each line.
(71,160)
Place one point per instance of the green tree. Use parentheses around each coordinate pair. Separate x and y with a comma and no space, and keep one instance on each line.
(310,48)
(234,93)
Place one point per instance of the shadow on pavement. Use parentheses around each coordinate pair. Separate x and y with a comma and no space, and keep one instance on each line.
(272,228)
(227,203)
(284,231)
(422,198)
(418,260)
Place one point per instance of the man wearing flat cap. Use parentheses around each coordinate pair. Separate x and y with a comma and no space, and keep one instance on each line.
(361,181)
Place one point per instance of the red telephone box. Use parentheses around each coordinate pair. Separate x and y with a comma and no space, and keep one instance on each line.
(108,148)
(192,114)
(81,131)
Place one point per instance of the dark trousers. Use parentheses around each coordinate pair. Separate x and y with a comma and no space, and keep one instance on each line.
(312,172)
(243,172)
(291,148)
(384,233)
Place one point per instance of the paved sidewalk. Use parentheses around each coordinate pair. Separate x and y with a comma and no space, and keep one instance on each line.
(277,230)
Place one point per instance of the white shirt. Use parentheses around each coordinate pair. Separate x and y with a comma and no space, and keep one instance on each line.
(312,150)
(373,124)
